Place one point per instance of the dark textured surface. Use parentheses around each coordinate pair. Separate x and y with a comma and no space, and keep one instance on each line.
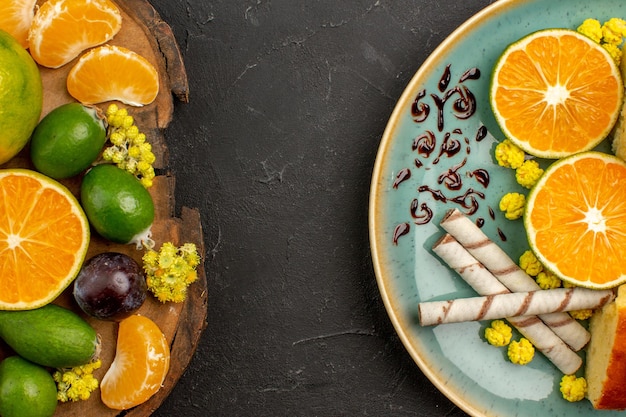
(288,102)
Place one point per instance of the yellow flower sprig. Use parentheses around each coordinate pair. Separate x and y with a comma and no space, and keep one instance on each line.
(171,270)
(610,34)
(573,388)
(129,149)
(77,383)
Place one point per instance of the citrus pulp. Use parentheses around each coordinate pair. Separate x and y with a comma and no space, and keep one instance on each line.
(21,96)
(556,92)
(44,236)
(575,219)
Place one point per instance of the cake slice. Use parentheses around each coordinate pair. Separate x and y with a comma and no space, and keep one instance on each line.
(618,145)
(606,355)
(619,131)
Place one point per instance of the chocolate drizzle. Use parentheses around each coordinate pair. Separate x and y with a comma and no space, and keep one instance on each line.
(425,144)
(400,230)
(464,105)
(402,176)
(457,185)
(419,110)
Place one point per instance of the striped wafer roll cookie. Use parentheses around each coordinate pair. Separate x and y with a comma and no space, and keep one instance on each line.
(514,304)
(488,253)
(484,283)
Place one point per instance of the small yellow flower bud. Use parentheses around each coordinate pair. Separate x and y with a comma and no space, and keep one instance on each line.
(134,152)
(127,122)
(146,182)
(111,110)
(118,157)
(117,138)
(132,132)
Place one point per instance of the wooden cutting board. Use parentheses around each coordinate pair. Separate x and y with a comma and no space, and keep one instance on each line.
(144,32)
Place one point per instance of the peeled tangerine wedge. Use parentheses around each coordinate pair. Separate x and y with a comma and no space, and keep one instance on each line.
(16,17)
(62,29)
(111,73)
(142,360)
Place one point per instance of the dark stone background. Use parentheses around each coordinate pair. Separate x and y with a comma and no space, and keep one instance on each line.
(288,103)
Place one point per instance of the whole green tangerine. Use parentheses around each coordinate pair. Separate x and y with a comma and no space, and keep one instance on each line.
(68,140)
(118,207)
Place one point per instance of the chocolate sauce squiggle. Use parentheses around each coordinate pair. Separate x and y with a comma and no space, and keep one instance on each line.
(449,144)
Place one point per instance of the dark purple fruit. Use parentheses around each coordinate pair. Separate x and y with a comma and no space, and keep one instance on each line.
(110,286)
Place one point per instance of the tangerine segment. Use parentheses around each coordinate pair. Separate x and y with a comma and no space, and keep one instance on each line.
(111,73)
(44,236)
(576,219)
(62,29)
(142,360)
(16,17)
(555,93)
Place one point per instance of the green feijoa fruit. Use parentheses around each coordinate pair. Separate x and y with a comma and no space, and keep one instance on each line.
(26,389)
(67,140)
(118,207)
(50,336)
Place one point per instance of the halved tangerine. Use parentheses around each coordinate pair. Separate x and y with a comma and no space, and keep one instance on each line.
(576,219)
(44,236)
(111,73)
(62,29)
(556,92)
(16,17)
(141,363)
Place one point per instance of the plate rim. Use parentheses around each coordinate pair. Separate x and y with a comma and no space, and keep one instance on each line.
(488,12)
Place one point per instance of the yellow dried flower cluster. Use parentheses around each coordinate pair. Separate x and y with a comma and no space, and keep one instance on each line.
(527,173)
(573,388)
(513,204)
(610,34)
(530,264)
(499,333)
(129,149)
(77,383)
(548,281)
(583,314)
(521,352)
(170,271)
(509,155)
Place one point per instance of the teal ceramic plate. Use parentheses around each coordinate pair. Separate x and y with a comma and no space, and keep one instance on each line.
(436,154)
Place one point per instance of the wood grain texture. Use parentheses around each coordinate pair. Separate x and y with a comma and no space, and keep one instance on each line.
(144,32)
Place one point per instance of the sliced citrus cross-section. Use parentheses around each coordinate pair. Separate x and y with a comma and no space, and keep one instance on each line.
(556,92)
(113,73)
(142,360)
(576,219)
(44,236)
(16,17)
(62,29)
